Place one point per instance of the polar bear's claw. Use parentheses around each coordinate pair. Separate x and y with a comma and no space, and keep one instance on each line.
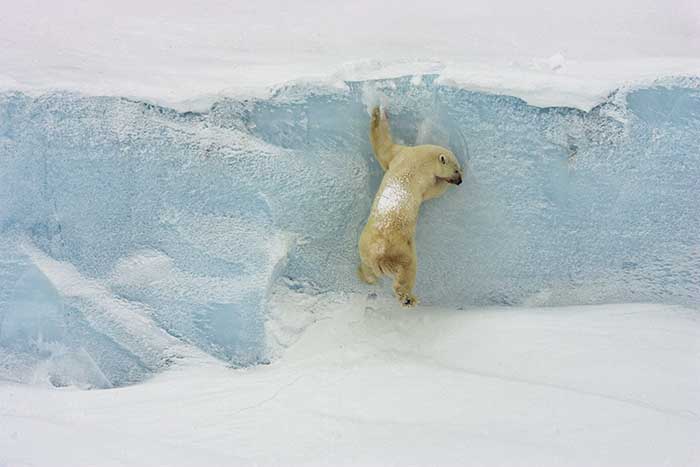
(408,301)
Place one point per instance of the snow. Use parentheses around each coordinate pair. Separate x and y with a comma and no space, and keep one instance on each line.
(181,53)
(373,384)
(182,186)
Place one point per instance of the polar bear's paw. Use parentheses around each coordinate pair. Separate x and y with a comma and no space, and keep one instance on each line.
(408,300)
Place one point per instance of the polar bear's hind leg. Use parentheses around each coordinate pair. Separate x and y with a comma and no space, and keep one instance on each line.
(404,280)
(366,274)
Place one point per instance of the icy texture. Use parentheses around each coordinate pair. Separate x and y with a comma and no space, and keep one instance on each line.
(131,234)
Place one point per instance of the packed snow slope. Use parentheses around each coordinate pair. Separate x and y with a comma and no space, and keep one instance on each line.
(131,234)
(611,385)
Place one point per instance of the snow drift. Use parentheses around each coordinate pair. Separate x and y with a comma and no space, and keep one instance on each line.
(132,235)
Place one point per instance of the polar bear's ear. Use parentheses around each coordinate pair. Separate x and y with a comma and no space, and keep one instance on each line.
(443,159)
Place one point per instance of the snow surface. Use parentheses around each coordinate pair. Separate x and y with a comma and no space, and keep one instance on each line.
(140,243)
(178,52)
(369,383)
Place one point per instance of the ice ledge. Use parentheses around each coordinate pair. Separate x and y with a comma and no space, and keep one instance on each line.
(548,82)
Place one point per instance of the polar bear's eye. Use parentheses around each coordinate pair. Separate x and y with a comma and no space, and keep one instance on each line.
(443,160)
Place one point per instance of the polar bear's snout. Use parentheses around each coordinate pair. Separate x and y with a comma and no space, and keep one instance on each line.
(456,179)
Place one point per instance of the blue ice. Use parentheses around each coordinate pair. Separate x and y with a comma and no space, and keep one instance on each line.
(114,212)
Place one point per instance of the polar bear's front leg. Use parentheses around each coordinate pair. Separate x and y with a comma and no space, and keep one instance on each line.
(404,280)
(380,137)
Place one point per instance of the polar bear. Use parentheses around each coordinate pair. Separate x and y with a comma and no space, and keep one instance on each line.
(412,175)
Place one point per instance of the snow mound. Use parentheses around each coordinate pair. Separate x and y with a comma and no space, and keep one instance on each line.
(184,55)
(369,383)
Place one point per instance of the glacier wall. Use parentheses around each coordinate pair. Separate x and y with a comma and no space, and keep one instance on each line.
(132,235)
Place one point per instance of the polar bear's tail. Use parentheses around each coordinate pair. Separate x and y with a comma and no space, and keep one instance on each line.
(378,252)
(385,262)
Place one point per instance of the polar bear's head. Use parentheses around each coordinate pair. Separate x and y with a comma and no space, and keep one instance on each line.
(447,167)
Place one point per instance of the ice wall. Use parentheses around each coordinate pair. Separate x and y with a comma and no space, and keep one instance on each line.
(132,235)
